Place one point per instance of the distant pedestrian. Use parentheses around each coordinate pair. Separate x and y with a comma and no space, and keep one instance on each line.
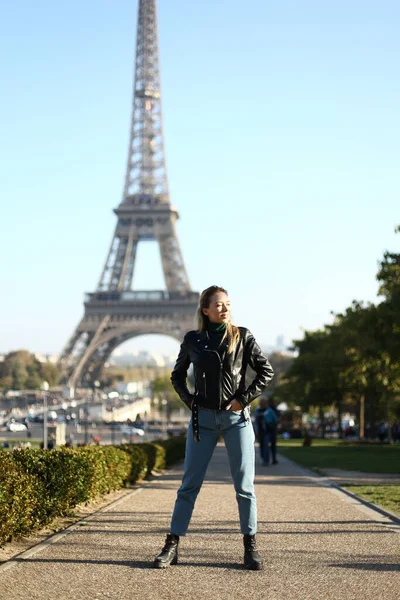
(396,433)
(259,425)
(271,417)
(220,353)
(382,432)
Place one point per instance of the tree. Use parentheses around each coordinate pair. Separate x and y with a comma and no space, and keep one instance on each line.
(359,331)
(162,389)
(314,380)
(389,276)
(21,370)
(355,359)
(49,372)
(280,363)
(13,370)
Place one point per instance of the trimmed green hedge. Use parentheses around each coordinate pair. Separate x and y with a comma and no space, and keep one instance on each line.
(38,485)
(138,461)
(156,456)
(174,449)
(19,500)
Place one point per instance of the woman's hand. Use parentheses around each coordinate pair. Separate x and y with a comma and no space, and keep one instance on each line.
(235,406)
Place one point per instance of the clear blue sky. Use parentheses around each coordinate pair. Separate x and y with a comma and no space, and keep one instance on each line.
(282,130)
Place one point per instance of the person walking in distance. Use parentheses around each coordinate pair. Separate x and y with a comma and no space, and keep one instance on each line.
(271,416)
(259,424)
(220,353)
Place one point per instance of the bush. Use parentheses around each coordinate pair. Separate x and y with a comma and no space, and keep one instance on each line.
(119,467)
(19,500)
(38,485)
(109,469)
(174,449)
(156,456)
(63,478)
(138,459)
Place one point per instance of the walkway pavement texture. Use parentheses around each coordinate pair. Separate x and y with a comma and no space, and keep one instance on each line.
(317,542)
(358,478)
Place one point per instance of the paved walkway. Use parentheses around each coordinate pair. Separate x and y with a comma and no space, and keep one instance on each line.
(343,477)
(317,543)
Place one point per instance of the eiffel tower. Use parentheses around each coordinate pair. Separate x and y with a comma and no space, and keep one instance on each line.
(115,312)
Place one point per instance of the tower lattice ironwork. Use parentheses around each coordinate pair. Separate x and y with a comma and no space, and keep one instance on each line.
(115,312)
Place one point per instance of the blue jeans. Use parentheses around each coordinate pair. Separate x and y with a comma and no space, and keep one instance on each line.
(238,434)
(269,443)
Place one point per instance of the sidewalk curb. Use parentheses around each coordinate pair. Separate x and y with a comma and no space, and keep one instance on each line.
(323,480)
(59,535)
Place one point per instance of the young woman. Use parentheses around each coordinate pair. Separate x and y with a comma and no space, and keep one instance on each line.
(220,353)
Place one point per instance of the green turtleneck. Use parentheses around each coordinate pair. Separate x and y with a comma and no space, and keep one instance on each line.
(216,327)
(216,332)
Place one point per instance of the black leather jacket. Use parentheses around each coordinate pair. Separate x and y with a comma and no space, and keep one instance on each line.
(219,376)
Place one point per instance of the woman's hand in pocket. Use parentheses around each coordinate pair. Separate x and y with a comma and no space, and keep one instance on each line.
(235,406)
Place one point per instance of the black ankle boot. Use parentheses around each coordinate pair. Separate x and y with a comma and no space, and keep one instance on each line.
(252,560)
(169,554)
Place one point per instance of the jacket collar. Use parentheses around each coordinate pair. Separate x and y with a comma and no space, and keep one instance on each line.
(203,338)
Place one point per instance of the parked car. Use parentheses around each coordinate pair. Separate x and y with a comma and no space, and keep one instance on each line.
(16,427)
(131,431)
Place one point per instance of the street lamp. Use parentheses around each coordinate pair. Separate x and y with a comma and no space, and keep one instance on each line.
(95,384)
(155,411)
(164,403)
(112,426)
(45,388)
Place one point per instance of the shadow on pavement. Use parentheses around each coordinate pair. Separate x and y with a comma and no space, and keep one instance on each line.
(163,487)
(369,522)
(213,530)
(135,564)
(213,565)
(120,532)
(76,561)
(125,521)
(135,512)
(368,566)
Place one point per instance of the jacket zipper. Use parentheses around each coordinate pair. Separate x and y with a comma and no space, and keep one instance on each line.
(220,375)
(220,372)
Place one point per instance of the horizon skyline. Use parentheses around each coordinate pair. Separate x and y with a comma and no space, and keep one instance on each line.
(289,137)
(127,349)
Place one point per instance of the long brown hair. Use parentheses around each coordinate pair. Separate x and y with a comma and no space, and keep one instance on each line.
(232,333)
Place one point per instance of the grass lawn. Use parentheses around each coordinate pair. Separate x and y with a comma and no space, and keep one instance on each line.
(336,454)
(34,443)
(387,496)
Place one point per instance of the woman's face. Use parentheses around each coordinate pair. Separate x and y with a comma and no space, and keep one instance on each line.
(219,309)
